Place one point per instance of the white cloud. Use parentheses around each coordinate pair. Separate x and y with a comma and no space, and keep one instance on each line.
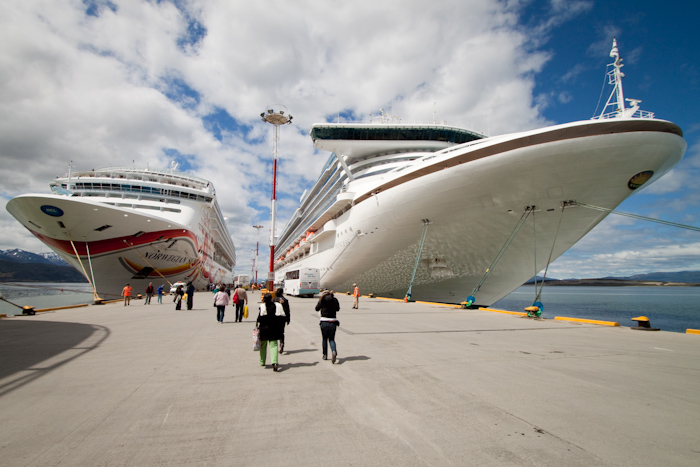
(626,262)
(94,89)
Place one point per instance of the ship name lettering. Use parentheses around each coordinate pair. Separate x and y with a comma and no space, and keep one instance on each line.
(165,257)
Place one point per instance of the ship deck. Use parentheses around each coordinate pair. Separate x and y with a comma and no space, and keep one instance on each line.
(415,384)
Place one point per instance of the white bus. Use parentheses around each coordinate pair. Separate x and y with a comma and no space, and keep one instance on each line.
(242,280)
(303,281)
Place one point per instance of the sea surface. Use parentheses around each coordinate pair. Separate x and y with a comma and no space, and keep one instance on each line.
(668,308)
(43,295)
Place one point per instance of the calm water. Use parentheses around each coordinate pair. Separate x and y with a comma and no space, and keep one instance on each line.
(43,295)
(669,308)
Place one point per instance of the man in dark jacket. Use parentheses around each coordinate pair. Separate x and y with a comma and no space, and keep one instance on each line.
(279,298)
(149,293)
(190,295)
(328,306)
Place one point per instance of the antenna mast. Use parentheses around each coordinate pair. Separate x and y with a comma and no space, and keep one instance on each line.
(617,97)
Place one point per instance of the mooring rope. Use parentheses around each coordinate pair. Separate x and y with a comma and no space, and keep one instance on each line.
(549,260)
(426,223)
(515,231)
(94,292)
(637,216)
(534,246)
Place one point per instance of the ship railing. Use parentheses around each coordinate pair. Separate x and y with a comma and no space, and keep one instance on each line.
(616,114)
(457,147)
(160,176)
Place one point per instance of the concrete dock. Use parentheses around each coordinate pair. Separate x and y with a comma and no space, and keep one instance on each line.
(415,384)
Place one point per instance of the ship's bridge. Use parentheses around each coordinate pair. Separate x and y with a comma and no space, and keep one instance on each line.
(360,140)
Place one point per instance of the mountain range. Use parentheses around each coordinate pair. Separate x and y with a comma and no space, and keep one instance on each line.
(23,266)
(679,277)
(21,256)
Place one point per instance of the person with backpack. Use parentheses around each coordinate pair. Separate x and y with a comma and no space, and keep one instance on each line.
(179,293)
(271,325)
(279,298)
(239,299)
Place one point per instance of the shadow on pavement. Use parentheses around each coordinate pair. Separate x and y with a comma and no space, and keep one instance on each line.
(289,352)
(350,359)
(287,366)
(30,349)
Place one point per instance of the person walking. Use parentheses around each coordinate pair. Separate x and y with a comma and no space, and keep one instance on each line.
(279,298)
(220,302)
(328,306)
(271,325)
(190,295)
(149,293)
(159,291)
(356,295)
(126,293)
(240,297)
(178,297)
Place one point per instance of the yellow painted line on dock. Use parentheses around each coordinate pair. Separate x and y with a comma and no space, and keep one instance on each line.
(520,313)
(692,331)
(588,321)
(62,307)
(387,298)
(449,305)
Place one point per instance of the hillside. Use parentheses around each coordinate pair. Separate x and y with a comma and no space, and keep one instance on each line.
(37,272)
(680,278)
(21,256)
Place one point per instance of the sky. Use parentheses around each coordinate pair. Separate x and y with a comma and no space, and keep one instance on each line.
(142,83)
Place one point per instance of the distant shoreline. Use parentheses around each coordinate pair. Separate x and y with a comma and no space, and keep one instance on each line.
(615,283)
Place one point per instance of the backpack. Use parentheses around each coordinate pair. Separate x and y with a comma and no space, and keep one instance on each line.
(235,297)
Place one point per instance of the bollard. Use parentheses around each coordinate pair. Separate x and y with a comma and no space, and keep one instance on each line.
(534,311)
(643,324)
(470,301)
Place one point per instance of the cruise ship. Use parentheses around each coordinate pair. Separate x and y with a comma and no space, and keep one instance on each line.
(439,213)
(122,225)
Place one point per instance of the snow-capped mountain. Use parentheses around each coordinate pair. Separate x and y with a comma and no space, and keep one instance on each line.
(21,256)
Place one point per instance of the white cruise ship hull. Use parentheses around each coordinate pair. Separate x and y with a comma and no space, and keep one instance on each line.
(473,198)
(138,246)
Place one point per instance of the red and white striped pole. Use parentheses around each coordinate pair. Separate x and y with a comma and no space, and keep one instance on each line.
(276,115)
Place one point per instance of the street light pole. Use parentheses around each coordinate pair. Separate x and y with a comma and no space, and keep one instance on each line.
(257,247)
(276,115)
(253,275)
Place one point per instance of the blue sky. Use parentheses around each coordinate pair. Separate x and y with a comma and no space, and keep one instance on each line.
(114,83)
